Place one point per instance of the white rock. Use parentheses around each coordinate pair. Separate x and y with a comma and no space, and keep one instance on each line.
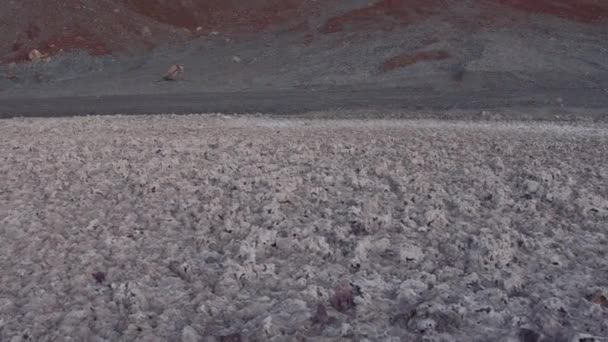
(35,55)
(426,324)
(145,31)
(270,329)
(189,334)
(346,330)
(410,253)
(531,186)
(411,289)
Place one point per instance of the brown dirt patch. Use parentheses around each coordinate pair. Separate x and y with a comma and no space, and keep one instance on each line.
(93,26)
(404,60)
(77,41)
(218,14)
(384,15)
(74,39)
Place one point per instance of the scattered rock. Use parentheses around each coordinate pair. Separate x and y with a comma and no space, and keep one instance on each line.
(425,325)
(36,56)
(99,277)
(528,335)
(174,73)
(346,330)
(235,337)
(269,328)
(145,31)
(599,298)
(343,298)
(320,316)
(410,253)
(585,338)
(182,270)
(531,186)
(190,335)
(403,319)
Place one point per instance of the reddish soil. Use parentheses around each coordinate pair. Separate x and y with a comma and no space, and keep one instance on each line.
(72,40)
(104,27)
(384,15)
(404,60)
(218,14)
(52,26)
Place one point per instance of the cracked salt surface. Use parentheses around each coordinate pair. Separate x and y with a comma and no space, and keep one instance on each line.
(202,228)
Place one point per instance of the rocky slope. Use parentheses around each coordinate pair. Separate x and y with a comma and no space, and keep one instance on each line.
(123,47)
(107,26)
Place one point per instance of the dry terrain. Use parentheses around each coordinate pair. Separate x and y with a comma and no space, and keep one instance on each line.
(210,228)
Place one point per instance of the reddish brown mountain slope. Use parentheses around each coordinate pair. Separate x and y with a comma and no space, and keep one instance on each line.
(111,26)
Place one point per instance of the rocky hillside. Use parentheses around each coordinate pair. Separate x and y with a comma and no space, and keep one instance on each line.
(112,26)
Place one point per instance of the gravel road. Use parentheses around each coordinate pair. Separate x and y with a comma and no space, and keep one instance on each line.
(212,228)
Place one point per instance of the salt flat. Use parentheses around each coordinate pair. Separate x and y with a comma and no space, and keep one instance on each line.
(168,228)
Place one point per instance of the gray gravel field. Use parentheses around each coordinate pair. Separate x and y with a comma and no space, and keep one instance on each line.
(214,228)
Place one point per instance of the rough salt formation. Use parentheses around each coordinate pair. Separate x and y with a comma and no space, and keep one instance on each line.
(215,229)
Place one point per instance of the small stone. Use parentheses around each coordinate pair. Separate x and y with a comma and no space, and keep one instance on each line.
(425,325)
(346,330)
(189,334)
(531,186)
(36,56)
(174,73)
(145,31)
(410,253)
(600,298)
(320,316)
(528,335)
(236,59)
(99,277)
(269,327)
(235,337)
(182,270)
(585,338)
(343,298)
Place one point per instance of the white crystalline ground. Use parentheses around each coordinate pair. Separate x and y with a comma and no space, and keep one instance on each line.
(203,228)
